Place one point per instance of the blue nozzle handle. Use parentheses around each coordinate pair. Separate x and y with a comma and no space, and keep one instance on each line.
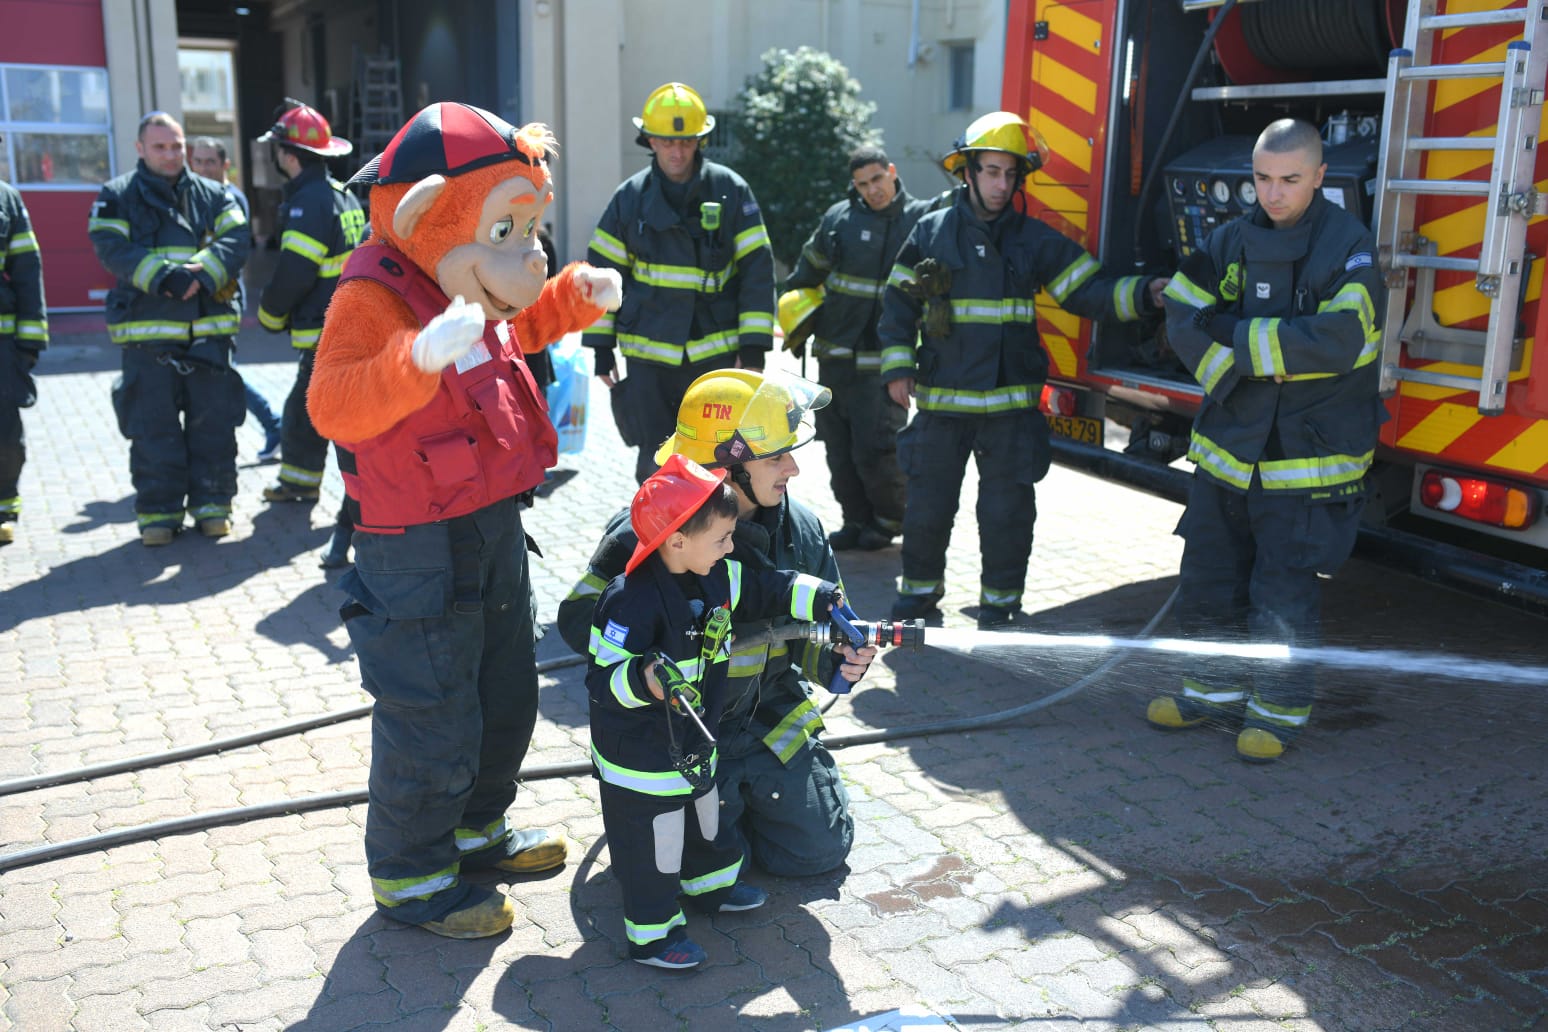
(842,617)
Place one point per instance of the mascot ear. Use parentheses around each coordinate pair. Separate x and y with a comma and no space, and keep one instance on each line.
(415,204)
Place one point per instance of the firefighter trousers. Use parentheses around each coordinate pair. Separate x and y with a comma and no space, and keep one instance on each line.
(791,819)
(303,451)
(1012,452)
(660,848)
(1249,572)
(441,618)
(179,408)
(17,391)
(859,429)
(656,392)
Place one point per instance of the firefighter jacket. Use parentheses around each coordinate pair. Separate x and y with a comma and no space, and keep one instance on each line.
(964,327)
(767,699)
(320,223)
(1281,327)
(484,436)
(850,255)
(143,229)
(23,318)
(696,284)
(651,611)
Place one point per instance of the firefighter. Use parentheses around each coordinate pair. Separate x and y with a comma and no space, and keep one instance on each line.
(1279,319)
(23,334)
(688,238)
(959,333)
(849,255)
(780,793)
(176,243)
(320,224)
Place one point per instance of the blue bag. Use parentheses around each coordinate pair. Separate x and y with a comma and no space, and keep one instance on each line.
(569,393)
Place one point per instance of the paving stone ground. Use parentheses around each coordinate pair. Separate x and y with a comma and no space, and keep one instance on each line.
(1065,868)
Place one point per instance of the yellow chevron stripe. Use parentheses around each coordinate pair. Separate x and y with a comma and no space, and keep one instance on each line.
(1066,323)
(1065,142)
(1061,354)
(1440,429)
(1068,24)
(1450,92)
(1065,81)
(1525,452)
(1060,199)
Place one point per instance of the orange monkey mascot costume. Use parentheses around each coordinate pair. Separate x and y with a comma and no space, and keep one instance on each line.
(439,429)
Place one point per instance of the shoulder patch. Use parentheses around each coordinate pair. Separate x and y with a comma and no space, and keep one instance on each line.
(616,633)
(1362,260)
(297,212)
(750,208)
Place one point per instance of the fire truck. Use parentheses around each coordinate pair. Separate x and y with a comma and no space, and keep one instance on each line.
(1430,112)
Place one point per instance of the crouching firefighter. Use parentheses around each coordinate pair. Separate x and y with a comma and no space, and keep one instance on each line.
(440,428)
(781,797)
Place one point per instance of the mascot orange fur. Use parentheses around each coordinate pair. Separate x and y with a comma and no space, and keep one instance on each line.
(440,428)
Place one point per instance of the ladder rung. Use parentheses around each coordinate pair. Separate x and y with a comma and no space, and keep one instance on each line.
(1471,70)
(1460,143)
(1465,383)
(1507,16)
(1464,187)
(1403,260)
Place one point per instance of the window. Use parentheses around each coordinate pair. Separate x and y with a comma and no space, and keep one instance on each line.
(959,88)
(55,124)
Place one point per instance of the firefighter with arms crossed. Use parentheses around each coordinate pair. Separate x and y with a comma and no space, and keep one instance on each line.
(1278,317)
(176,243)
(320,224)
(781,797)
(843,268)
(689,241)
(959,333)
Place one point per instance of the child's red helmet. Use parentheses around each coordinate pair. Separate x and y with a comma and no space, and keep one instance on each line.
(666,500)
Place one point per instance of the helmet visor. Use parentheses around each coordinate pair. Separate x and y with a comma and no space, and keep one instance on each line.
(774,420)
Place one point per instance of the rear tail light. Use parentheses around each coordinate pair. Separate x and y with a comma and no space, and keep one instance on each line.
(1482,500)
(1058,401)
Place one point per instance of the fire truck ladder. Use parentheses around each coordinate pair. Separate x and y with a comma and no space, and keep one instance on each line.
(1510,200)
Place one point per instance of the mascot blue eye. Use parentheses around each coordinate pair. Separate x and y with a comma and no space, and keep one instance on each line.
(500,230)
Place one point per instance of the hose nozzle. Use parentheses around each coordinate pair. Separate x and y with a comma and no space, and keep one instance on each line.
(881,633)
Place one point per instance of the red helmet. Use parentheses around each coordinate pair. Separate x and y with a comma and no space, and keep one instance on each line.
(666,500)
(303,127)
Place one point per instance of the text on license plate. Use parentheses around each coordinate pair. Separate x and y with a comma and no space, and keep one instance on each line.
(1077,428)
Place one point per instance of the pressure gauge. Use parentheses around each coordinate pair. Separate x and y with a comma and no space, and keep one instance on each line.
(1247,193)
(1220,192)
(1178,186)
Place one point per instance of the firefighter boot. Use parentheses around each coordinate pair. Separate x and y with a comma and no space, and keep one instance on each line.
(157,534)
(215,526)
(523,852)
(285,491)
(845,538)
(7,532)
(916,607)
(336,555)
(990,617)
(1256,745)
(486,912)
(1164,714)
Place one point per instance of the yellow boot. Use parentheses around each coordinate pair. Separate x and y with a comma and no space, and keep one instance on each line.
(525,852)
(1163,713)
(1256,745)
(486,912)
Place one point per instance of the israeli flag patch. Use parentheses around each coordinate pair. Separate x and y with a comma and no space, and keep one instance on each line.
(1358,261)
(750,208)
(616,633)
(296,213)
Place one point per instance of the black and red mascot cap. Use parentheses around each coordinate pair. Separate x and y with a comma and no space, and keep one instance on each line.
(444,139)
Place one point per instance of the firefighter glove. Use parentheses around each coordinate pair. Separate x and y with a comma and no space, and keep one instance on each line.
(448,336)
(176,283)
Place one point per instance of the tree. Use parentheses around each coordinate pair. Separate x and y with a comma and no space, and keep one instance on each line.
(795,123)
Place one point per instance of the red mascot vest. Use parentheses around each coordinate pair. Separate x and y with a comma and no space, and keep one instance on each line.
(483,437)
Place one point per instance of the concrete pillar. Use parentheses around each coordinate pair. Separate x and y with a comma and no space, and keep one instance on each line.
(141,42)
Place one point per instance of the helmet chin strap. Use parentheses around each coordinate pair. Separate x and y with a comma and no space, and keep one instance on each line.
(971,176)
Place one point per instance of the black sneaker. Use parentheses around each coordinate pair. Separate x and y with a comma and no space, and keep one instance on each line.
(845,538)
(914,607)
(990,617)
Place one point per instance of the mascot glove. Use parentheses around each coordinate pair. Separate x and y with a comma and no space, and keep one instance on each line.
(448,336)
(601,287)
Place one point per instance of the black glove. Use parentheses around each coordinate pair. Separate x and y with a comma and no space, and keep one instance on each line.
(26,358)
(176,283)
(1221,328)
(751,358)
(605,360)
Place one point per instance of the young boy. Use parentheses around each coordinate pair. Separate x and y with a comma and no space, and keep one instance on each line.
(667,620)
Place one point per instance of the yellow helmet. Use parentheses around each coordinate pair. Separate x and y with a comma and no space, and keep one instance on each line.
(674,111)
(998,131)
(797,314)
(731,416)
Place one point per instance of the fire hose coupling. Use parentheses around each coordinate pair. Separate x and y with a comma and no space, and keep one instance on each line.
(881,633)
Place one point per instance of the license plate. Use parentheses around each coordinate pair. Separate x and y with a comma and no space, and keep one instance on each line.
(1077,428)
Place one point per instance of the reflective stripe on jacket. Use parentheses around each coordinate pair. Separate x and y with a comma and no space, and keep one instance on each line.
(320,224)
(23,313)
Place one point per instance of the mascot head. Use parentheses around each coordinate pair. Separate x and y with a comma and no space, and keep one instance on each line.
(461,193)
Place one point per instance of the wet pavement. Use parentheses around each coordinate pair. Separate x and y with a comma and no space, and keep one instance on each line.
(1064,868)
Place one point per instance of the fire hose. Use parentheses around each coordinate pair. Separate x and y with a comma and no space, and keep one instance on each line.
(883,634)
